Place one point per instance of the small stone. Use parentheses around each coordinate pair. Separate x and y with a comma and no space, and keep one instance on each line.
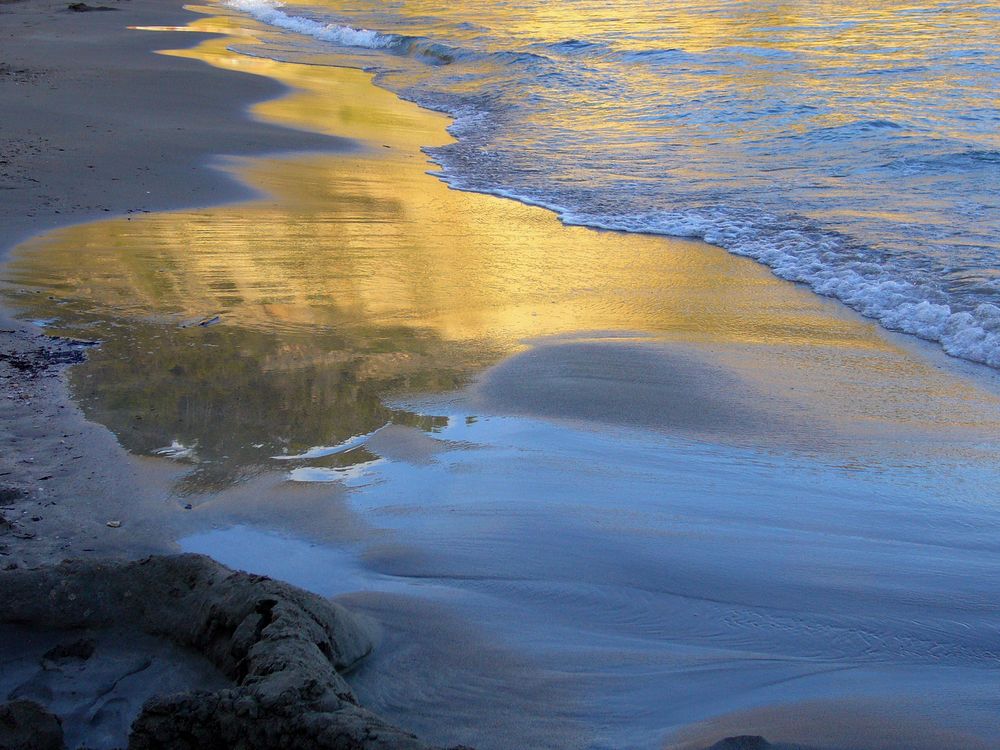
(8,494)
(114,524)
(743,742)
(84,8)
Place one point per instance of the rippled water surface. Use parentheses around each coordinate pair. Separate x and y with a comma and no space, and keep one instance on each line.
(597,488)
(851,146)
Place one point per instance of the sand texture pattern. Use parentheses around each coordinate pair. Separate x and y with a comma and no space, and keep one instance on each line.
(94,124)
(282,648)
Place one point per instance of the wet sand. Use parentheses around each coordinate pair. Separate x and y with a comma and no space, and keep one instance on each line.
(662,485)
(95,124)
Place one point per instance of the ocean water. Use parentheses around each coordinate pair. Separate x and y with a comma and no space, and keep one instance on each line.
(853,147)
(595,488)
(546,586)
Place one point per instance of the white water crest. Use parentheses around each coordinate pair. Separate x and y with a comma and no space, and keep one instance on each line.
(855,151)
(270,12)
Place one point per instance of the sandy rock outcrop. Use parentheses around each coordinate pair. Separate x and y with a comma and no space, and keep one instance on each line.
(24,725)
(282,647)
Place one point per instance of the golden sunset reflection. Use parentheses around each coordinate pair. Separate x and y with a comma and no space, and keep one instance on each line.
(360,276)
(817,44)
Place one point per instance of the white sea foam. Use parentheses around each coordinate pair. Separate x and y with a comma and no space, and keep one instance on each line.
(819,262)
(933,276)
(178,451)
(269,12)
(320,451)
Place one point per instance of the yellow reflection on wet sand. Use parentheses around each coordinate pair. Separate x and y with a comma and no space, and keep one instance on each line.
(359,275)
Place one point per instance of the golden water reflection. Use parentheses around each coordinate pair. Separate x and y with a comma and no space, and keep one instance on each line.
(360,276)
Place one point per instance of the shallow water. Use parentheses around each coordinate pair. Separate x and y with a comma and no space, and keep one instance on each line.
(852,146)
(599,487)
(548,586)
(97,681)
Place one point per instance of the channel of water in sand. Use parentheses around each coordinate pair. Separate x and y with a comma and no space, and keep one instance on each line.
(597,488)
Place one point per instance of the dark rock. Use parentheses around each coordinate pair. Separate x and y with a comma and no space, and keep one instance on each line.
(81,650)
(742,742)
(84,8)
(24,725)
(282,648)
(10,494)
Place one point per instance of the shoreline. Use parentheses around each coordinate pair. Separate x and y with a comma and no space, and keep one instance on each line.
(137,485)
(62,475)
(85,148)
(41,467)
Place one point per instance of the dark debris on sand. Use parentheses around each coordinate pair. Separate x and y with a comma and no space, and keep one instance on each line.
(84,8)
(34,356)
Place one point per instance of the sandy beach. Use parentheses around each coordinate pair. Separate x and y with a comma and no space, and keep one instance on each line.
(95,124)
(669,497)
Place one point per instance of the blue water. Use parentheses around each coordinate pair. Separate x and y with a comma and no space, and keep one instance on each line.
(542,583)
(548,586)
(854,147)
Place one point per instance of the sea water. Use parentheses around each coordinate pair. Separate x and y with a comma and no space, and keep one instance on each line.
(595,547)
(548,584)
(853,147)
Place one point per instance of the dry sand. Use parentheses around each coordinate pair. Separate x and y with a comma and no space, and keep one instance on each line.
(94,124)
